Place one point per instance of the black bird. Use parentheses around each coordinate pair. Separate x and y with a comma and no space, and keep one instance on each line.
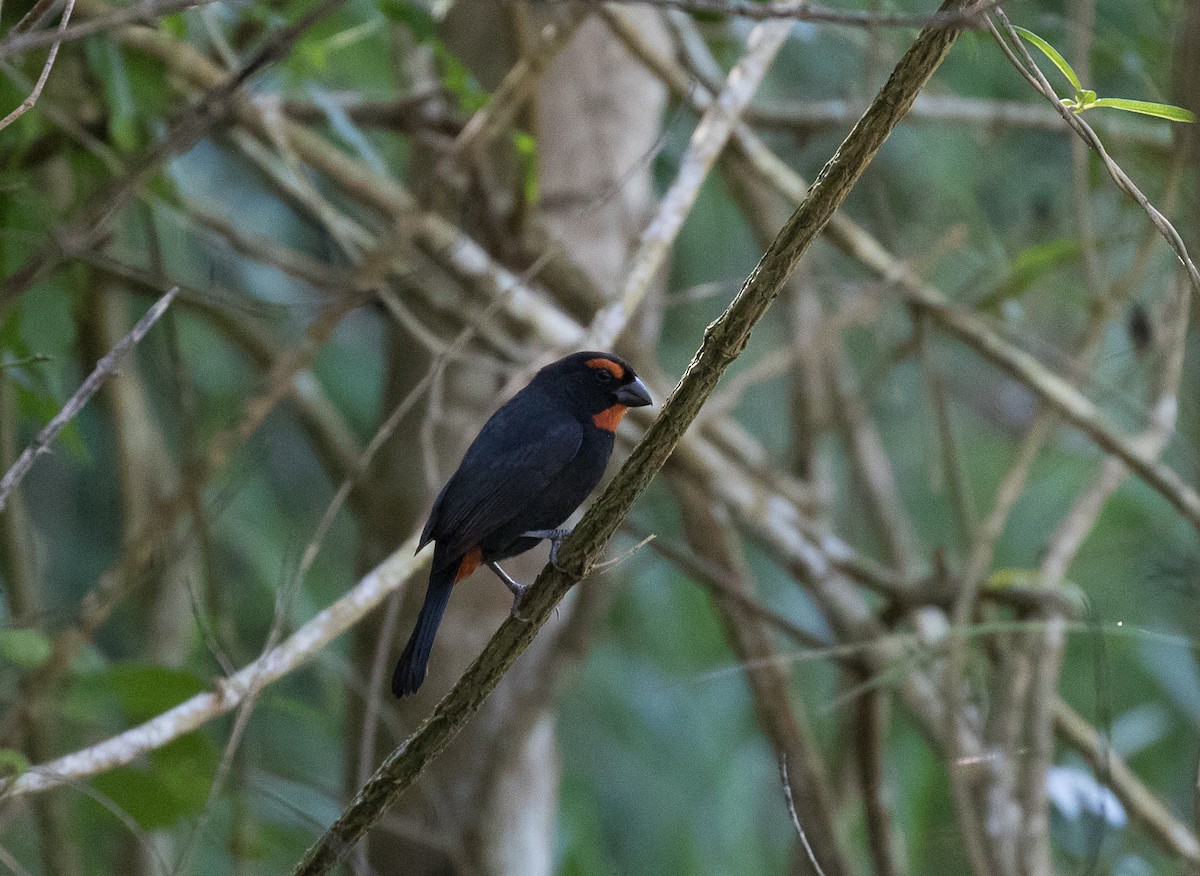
(530,467)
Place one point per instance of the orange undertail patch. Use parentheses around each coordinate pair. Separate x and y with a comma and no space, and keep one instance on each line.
(609,418)
(470,562)
(613,368)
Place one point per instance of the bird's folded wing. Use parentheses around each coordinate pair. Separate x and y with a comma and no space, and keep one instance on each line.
(516,456)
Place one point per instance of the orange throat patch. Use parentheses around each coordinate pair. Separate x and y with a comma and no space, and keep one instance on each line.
(609,418)
(470,562)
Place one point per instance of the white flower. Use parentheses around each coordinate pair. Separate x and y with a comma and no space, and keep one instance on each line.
(1075,791)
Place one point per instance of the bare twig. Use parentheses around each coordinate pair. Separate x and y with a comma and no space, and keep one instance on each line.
(104,369)
(31,100)
(41,9)
(326,625)
(803,10)
(512,92)
(707,143)
(373,696)
(791,808)
(869,460)
(144,11)
(870,731)
(993,116)
(1014,49)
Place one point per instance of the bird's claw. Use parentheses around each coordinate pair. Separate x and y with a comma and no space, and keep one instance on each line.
(518,598)
(517,589)
(555,537)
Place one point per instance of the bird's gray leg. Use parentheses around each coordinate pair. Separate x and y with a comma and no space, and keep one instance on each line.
(556,537)
(518,589)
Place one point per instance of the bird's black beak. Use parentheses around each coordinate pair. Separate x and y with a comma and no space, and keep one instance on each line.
(634,394)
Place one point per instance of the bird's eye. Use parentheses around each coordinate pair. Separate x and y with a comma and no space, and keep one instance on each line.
(604,375)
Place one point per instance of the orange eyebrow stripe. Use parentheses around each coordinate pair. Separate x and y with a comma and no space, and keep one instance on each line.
(613,368)
(609,418)
(470,562)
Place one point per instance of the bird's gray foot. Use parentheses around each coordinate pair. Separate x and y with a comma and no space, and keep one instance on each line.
(518,590)
(555,536)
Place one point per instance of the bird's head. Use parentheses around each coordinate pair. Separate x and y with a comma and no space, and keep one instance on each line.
(600,386)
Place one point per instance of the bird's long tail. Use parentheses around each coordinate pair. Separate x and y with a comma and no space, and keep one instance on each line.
(410,670)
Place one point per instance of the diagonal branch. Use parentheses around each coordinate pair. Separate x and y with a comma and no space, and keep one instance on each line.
(804,10)
(323,628)
(1014,49)
(723,342)
(36,92)
(707,143)
(104,369)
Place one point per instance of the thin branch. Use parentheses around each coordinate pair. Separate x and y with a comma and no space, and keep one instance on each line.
(1014,49)
(325,626)
(104,369)
(18,42)
(707,143)
(232,746)
(29,102)
(869,460)
(869,729)
(791,808)
(1144,807)
(512,93)
(994,117)
(803,10)
(721,584)
(36,13)
(955,479)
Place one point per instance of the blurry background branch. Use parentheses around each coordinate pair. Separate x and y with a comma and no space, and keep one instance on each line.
(105,368)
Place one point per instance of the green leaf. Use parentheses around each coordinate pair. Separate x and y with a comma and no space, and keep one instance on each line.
(34,359)
(12,762)
(459,81)
(1002,578)
(108,63)
(26,647)
(146,691)
(175,785)
(1158,110)
(418,19)
(46,324)
(1052,53)
(186,767)
(144,795)
(1029,266)
(526,149)
(175,25)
